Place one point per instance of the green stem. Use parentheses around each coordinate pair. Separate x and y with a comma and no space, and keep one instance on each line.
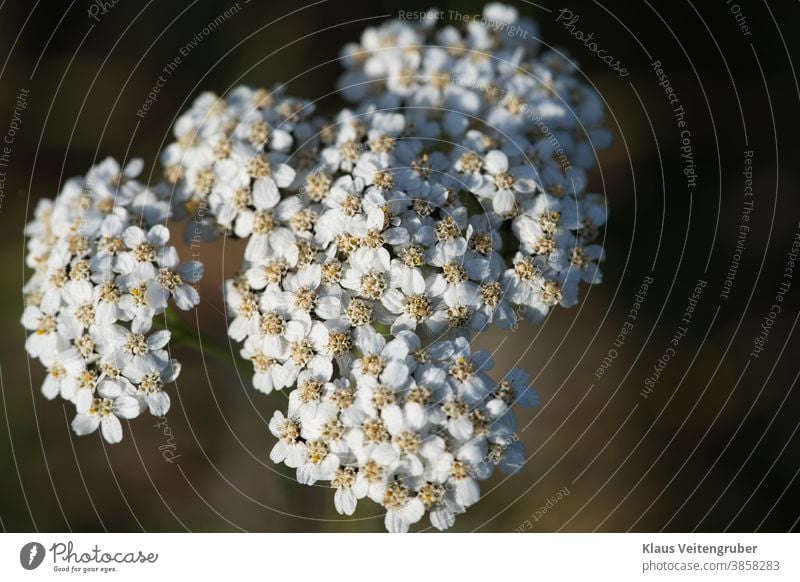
(182,333)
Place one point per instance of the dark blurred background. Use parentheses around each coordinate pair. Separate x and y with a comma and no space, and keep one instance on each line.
(713,447)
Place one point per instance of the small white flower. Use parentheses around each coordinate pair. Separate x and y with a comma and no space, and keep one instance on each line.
(289,448)
(149,377)
(130,349)
(44,325)
(403,508)
(502,183)
(144,298)
(173,277)
(104,410)
(344,499)
(319,463)
(367,273)
(63,367)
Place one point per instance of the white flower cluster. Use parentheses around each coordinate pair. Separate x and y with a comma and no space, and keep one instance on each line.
(230,159)
(449,198)
(99,279)
(413,428)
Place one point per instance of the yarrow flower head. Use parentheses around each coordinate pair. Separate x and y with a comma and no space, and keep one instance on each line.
(412,429)
(103,271)
(447,198)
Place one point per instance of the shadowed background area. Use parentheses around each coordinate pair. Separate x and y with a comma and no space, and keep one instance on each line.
(711,445)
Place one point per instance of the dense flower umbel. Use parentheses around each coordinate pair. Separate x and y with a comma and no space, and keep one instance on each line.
(413,429)
(102,271)
(450,197)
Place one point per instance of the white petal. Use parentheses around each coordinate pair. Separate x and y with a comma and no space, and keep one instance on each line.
(442,518)
(461,428)
(265,194)
(83,401)
(111,429)
(84,424)
(186,297)
(158,339)
(467,491)
(345,501)
(395,373)
(413,511)
(415,415)
(329,307)
(384,454)
(158,236)
(392,418)
(284,175)
(496,162)
(296,456)
(158,403)
(109,389)
(279,452)
(394,523)
(394,300)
